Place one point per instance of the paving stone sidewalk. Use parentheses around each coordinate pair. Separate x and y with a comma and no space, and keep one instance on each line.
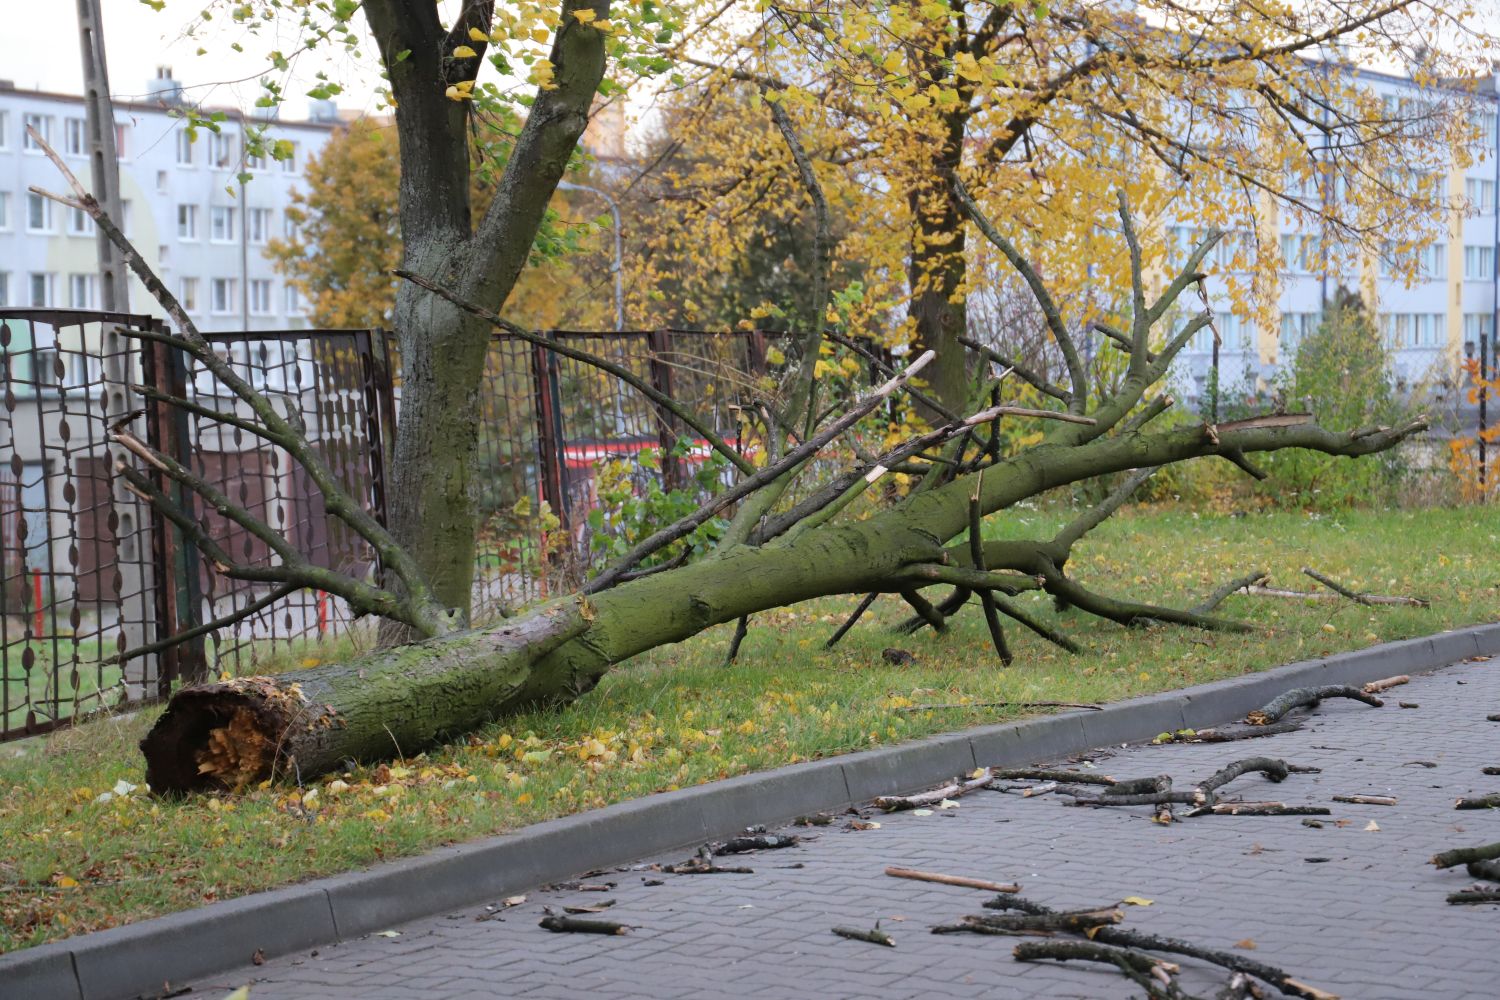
(1355,911)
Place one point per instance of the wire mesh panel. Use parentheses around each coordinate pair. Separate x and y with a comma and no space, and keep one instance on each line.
(331,382)
(76,547)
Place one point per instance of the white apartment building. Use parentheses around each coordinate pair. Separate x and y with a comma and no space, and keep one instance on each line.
(185,208)
(1431,324)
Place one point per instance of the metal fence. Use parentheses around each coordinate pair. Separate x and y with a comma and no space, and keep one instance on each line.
(89,570)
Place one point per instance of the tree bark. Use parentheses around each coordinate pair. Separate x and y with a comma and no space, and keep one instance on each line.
(401,701)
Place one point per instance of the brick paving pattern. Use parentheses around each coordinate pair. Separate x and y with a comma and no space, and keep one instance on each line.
(1367,920)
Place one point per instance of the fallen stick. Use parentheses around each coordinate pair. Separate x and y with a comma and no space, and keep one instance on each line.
(873,936)
(599,907)
(1234,734)
(699,867)
(1001,704)
(1463,855)
(1042,789)
(961,881)
(952,790)
(1034,924)
(577,925)
(1233,961)
(1158,790)
(1047,774)
(1491,801)
(1367,800)
(1259,809)
(1491,770)
(1492,718)
(1141,786)
(757,842)
(1375,687)
(1308,697)
(1359,598)
(1142,969)
(1216,598)
(1471,896)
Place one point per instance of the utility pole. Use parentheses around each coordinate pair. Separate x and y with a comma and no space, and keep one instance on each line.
(104,175)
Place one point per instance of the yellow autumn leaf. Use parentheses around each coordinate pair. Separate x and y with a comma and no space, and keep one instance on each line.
(475,35)
(774,356)
(464,52)
(67,882)
(243,993)
(1137,901)
(584,16)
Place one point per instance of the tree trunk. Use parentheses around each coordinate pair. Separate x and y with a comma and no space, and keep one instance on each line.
(404,700)
(937,270)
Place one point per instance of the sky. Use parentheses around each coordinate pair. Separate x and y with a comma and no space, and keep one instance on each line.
(42,53)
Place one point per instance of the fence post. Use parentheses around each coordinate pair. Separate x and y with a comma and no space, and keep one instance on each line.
(378,398)
(551,457)
(174,562)
(666,422)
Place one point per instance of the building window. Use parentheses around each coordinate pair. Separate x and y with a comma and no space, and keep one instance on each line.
(221,149)
(79,223)
(260,297)
(255,161)
(1481,195)
(1295,327)
(1479,263)
(4,129)
(83,291)
(289,227)
(43,126)
(38,213)
(4,288)
(75,138)
(221,295)
(221,224)
(1477,325)
(185,148)
(43,287)
(289,165)
(1400,330)
(4,210)
(1431,262)
(259,220)
(1484,121)
(293,300)
(1301,253)
(187,222)
(122,141)
(188,294)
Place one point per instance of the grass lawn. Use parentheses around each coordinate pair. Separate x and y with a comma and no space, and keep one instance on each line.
(37,689)
(676,716)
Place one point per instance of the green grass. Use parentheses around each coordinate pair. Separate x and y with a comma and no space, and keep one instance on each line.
(34,688)
(676,716)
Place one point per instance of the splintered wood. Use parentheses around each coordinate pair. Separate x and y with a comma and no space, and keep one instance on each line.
(236,753)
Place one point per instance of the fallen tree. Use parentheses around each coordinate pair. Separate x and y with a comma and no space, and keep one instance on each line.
(770,554)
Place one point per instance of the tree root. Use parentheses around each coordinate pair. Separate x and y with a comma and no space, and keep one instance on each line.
(1307,697)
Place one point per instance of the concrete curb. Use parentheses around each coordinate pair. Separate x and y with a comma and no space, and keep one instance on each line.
(139,958)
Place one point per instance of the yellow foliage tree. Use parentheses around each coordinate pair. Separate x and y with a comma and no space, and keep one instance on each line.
(346,242)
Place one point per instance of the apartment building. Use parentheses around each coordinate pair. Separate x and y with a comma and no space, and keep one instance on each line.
(1431,323)
(198,222)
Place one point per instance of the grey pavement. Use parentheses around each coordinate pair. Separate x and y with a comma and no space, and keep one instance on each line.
(1353,910)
